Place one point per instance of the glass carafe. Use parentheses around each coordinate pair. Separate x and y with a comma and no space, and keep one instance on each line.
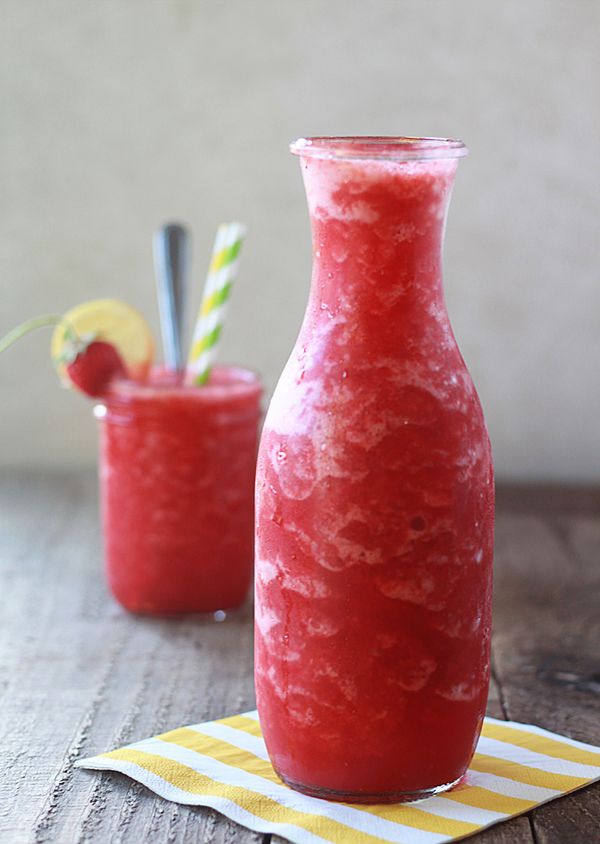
(375,495)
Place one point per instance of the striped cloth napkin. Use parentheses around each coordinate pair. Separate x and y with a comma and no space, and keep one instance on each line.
(224,764)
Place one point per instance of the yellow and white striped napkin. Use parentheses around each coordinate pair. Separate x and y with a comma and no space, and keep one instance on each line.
(224,764)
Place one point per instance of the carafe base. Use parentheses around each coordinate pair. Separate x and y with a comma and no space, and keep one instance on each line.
(368,797)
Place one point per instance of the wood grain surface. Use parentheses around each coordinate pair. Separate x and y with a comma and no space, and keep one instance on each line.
(79,676)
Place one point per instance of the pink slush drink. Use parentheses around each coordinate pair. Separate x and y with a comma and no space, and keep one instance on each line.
(176,478)
(374,496)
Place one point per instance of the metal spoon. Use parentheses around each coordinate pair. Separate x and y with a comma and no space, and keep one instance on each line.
(171,264)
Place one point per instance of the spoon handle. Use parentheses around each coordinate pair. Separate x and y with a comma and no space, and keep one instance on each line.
(171,264)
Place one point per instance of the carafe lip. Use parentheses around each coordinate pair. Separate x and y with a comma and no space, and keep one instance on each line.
(378,148)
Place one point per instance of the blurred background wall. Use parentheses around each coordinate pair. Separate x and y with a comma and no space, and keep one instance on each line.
(117,116)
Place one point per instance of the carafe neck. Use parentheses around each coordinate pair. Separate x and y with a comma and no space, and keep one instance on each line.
(377,231)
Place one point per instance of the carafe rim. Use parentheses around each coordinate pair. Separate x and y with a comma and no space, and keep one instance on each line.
(378,147)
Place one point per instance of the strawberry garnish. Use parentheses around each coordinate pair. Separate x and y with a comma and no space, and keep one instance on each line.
(93,367)
(90,364)
(94,343)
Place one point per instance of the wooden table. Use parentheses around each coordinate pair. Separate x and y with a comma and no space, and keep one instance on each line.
(79,676)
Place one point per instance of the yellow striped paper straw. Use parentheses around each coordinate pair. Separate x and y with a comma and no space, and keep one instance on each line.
(224,265)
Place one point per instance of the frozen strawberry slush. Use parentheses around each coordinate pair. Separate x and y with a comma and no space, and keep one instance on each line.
(176,478)
(374,504)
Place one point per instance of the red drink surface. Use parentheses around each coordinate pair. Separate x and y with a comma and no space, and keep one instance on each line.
(176,478)
(374,504)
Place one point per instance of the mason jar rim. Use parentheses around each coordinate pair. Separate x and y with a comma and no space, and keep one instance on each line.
(231,383)
(378,147)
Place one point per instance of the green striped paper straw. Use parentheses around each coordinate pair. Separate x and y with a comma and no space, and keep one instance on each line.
(222,271)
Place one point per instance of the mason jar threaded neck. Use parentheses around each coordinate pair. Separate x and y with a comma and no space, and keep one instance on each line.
(231,396)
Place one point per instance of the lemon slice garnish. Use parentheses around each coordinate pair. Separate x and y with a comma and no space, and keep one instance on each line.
(109,320)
